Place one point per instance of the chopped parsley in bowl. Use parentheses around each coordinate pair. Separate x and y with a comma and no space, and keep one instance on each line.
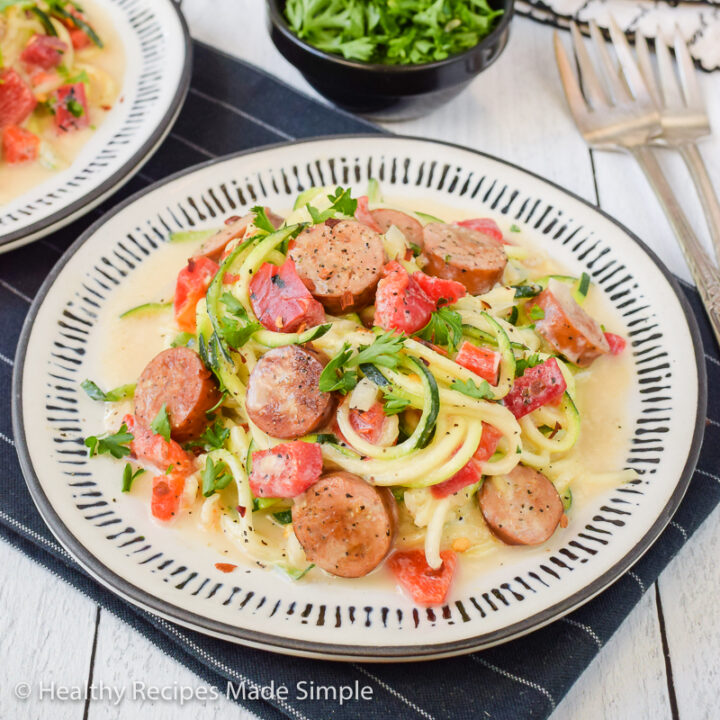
(392,32)
(390,59)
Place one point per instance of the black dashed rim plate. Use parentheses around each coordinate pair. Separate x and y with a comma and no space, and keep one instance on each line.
(113,538)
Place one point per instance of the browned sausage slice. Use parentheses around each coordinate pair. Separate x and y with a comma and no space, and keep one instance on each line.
(283,398)
(235,227)
(177,378)
(567,327)
(409,226)
(340,265)
(467,256)
(521,508)
(345,525)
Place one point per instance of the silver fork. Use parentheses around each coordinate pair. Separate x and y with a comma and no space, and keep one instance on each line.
(682,115)
(628,119)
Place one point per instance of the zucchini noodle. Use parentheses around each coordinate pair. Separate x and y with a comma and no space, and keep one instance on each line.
(380,403)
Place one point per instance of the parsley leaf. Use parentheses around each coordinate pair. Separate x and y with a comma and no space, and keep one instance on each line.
(383,351)
(214,477)
(261,221)
(129,476)
(284,517)
(342,203)
(469,388)
(443,328)
(235,334)
(340,373)
(161,423)
(119,393)
(394,404)
(213,438)
(514,228)
(333,377)
(233,305)
(115,444)
(522,364)
(536,313)
(238,330)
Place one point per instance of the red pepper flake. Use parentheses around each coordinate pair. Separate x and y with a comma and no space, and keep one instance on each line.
(241,510)
(564,521)
(346,300)
(225,567)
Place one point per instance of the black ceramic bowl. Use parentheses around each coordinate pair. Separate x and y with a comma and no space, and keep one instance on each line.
(388,92)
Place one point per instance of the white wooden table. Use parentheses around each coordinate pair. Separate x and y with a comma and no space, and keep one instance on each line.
(664,660)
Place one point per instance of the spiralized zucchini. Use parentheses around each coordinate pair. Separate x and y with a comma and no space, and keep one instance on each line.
(443,408)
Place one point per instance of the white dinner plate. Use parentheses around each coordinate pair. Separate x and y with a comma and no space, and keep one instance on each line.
(112,535)
(158,58)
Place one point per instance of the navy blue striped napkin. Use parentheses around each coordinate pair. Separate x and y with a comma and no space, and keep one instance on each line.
(526,678)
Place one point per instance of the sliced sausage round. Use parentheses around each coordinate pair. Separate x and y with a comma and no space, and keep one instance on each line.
(235,227)
(458,253)
(283,398)
(340,265)
(522,507)
(567,327)
(345,525)
(177,378)
(408,225)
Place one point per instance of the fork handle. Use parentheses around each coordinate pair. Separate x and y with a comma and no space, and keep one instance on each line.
(703,184)
(702,269)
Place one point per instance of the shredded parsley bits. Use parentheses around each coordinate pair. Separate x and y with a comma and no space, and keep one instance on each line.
(391,32)
(115,444)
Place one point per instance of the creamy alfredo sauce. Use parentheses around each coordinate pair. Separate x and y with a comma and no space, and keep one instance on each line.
(126,345)
(18,179)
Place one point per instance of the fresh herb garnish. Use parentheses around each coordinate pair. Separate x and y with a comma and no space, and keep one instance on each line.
(261,221)
(514,228)
(75,108)
(341,374)
(443,328)
(119,393)
(129,476)
(115,444)
(469,388)
(536,313)
(295,573)
(392,33)
(522,364)
(342,203)
(237,330)
(161,423)
(284,517)
(393,404)
(213,438)
(214,477)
